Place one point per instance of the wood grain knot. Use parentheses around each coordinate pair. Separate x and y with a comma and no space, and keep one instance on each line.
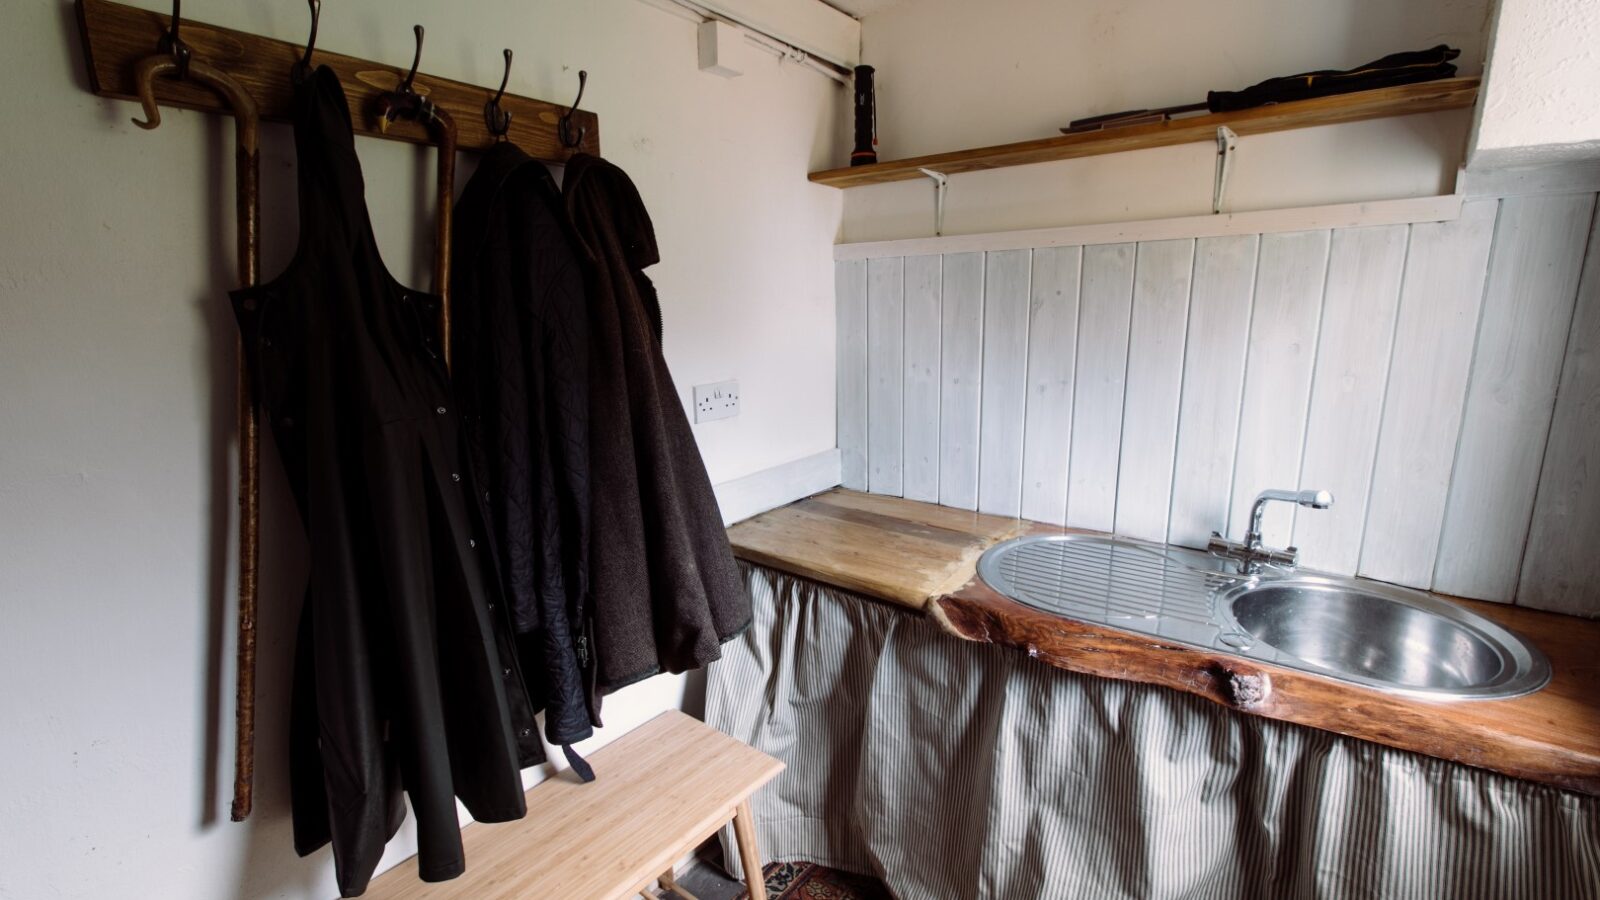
(1241,688)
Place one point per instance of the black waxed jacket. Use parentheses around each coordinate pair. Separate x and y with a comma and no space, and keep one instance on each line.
(666,590)
(406,675)
(520,365)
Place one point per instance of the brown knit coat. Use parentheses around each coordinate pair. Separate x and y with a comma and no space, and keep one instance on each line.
(666,590)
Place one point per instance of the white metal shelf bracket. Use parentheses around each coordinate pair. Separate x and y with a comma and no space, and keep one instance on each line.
(941,184)
(1227,142)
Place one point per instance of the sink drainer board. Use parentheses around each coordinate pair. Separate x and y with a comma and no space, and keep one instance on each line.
(1105,581)
(1390,638)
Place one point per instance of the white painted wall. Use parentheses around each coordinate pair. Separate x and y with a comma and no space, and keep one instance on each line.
(954,75)
(1538,102)
(116,397)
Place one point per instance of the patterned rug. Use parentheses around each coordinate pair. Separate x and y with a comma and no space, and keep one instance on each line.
(809,881)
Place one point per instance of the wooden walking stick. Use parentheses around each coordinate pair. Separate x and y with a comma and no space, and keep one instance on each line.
(174,59)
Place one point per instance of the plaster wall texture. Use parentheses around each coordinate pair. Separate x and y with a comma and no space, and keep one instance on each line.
(116,397)
(1539,103)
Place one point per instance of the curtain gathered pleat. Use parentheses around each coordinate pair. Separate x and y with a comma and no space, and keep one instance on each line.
(953,769)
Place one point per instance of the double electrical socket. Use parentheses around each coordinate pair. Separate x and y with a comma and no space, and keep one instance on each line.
(716,401)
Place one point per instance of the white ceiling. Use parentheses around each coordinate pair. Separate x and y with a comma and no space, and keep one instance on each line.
(859,8)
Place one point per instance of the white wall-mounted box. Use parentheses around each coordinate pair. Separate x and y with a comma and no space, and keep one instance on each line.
(723,50)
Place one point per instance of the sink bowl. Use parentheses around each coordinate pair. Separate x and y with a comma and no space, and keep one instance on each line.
(1389,638)
(1386,637)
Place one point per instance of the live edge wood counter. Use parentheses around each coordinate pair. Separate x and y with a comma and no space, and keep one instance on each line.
(924,557)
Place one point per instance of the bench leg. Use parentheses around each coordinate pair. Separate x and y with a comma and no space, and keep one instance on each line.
(744,831)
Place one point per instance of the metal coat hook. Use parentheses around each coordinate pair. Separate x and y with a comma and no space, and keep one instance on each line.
(404,101)
(170,43)
(302,68)
(498,120)
(564,127)
(416,60)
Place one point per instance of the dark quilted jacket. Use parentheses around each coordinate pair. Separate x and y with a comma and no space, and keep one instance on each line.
(520,368)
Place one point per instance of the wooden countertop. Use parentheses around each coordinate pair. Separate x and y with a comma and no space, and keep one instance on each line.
(897,550)
(924,557)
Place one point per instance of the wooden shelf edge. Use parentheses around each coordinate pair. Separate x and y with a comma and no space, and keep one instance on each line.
(1403,100)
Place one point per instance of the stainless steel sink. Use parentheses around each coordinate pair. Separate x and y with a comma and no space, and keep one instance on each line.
(1369,633)
(1384,636)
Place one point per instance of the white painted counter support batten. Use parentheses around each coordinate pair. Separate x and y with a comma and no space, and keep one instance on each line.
(741,498)
(1442,208)
(1152,382)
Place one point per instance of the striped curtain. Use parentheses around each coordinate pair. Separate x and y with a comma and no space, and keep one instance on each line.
(953,769)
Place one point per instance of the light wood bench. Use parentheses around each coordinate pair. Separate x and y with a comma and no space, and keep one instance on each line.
(658,792)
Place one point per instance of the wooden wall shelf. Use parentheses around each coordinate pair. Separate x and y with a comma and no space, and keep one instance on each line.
(1430,96)
(116,37)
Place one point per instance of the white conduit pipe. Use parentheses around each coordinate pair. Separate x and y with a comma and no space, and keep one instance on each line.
(694,12)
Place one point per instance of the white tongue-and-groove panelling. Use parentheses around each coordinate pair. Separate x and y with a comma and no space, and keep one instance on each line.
(1442,379)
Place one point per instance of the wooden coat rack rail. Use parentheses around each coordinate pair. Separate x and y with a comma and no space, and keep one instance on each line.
(116,37)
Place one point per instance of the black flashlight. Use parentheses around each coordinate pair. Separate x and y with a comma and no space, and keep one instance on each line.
(865,152)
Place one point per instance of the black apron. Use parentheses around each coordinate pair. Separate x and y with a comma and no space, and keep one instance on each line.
(406,676)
